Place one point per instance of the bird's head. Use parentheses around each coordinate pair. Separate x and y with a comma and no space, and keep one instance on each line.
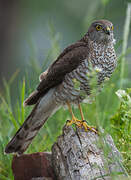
(101,31)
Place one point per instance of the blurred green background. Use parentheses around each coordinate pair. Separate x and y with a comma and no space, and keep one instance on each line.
(32,34)
(26,28)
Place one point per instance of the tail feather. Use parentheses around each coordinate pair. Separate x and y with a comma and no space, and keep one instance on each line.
(40,113)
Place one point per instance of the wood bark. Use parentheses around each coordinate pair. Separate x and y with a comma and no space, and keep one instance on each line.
(77,155)
(81,155)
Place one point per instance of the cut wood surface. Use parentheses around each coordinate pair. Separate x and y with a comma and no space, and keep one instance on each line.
(81,155)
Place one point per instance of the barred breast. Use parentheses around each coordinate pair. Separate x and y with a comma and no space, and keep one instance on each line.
(104,59)
(76,85)
(73,84)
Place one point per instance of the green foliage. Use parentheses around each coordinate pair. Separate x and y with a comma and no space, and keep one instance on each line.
(105,2)
(125,41)
(105,111)
(121,125)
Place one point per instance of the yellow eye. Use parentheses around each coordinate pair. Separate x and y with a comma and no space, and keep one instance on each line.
(98,27)
(112,28)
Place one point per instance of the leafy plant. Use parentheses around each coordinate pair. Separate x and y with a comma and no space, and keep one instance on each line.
(121,126)
(99,113)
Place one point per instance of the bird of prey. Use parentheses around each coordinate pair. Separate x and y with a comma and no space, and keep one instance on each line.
(57,83)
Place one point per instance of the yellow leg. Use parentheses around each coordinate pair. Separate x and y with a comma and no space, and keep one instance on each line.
(74,119)
(84,123)
(79,123)
(87,127)
(82,115)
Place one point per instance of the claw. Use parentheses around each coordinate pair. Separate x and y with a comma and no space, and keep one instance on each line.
(87,127)
(74,121)
(79,123)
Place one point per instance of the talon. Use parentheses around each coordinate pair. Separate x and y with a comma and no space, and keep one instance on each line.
(79,123)
(69,122)
(74,121)
(91,128)
(87,127)
(84,124)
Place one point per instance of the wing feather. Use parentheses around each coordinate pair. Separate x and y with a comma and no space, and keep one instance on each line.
(67,61)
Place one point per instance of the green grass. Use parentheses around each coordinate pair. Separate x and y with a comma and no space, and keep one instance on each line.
(109,111)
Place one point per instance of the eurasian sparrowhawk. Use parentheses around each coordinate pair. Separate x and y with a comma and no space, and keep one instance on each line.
(57,83)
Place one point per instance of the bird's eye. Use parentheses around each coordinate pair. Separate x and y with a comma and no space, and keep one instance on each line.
(98,27)
(112,28)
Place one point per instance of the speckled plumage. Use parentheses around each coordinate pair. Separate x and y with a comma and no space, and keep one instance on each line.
(101,57)
(68,80)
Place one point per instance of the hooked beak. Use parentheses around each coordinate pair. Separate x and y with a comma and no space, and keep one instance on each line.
(107,30)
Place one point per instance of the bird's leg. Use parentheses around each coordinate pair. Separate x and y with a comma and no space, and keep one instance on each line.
(79,123)
(84,123)
(74,119)
(81,112)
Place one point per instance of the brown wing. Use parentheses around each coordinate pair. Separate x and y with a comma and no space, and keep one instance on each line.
(68,60)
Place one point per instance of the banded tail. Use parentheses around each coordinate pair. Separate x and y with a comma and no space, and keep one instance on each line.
(40,113)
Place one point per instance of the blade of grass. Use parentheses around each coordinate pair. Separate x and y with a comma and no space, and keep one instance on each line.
(9,111)
(13,77)
(7,92)
(125,41)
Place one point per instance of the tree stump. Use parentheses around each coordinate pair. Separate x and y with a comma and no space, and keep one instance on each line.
(77,155)
(80,155)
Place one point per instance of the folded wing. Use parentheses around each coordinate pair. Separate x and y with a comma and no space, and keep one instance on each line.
(68,60)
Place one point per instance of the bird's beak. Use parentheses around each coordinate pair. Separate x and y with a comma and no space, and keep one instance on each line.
(107,30)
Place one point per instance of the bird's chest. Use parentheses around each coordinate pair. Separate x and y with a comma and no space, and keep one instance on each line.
(103,59)
(76,85)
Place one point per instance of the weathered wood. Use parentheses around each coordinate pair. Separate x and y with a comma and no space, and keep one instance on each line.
(41,178)
(77,155)
(80,155)
(36,166)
